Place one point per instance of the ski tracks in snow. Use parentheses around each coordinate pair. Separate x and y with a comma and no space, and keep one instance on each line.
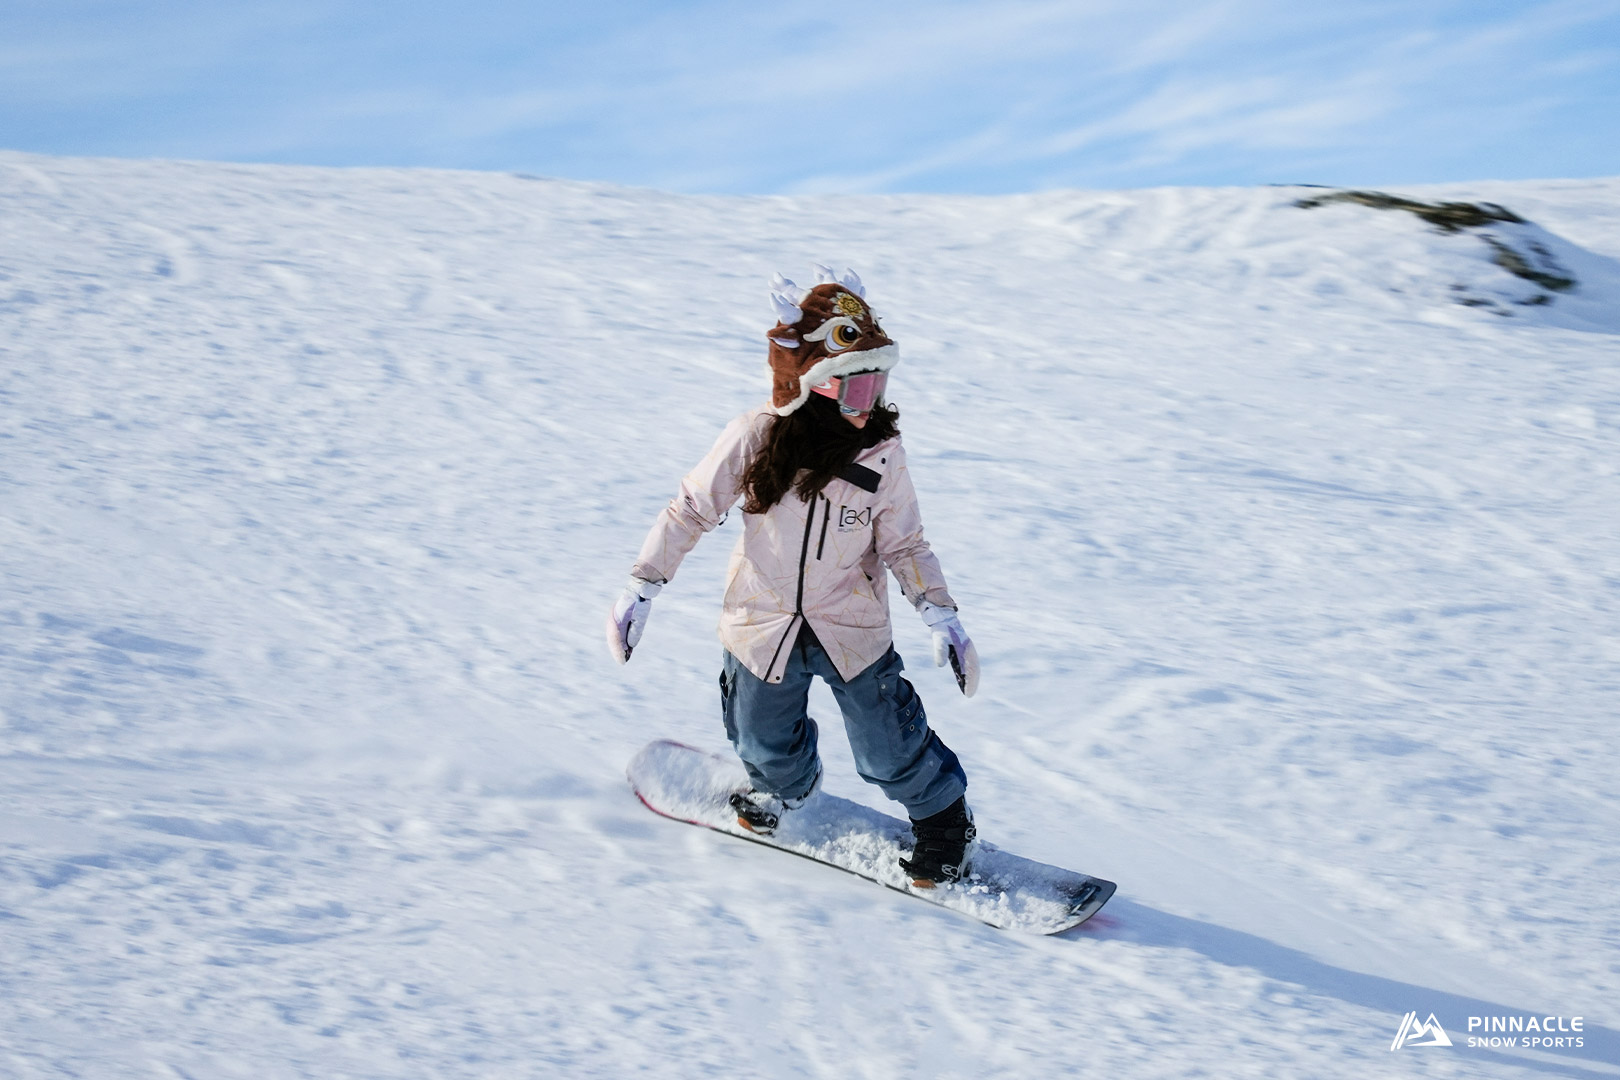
(1289,575)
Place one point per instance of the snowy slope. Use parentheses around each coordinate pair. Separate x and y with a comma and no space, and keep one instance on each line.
(1296,583)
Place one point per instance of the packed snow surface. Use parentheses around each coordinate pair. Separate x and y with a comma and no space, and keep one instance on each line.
(1289,537)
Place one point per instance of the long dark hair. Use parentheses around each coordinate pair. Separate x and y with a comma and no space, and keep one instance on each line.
(815,439)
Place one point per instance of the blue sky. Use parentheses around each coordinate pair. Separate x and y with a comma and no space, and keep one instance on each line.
(880,97)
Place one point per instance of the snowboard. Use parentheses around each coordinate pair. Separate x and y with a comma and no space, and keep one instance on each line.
(1002,889)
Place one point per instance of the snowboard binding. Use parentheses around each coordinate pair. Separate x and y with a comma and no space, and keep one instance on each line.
(754,811)
(943,846)
(761,812)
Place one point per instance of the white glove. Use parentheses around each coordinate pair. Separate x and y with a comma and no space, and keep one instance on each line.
(952,644)
(629,617)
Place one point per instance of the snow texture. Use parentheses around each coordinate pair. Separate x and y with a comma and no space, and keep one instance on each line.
(1294,581)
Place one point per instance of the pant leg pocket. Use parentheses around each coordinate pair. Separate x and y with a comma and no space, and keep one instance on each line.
(894,745)
(728,693)
(908,713)
(903,703)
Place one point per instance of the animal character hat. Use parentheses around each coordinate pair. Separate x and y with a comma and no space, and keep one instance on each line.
(825,333)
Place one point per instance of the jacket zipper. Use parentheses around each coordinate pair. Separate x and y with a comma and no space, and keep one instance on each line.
(798,601)
(826,517)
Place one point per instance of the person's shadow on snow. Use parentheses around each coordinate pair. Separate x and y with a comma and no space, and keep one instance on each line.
(1128,920)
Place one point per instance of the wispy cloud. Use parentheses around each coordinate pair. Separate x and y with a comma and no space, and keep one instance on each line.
(1250,86)
(725,95)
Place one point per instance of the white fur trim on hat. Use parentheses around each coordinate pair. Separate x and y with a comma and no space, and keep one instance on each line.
(882,358)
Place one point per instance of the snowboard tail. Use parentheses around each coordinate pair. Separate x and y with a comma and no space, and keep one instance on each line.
(1004,890)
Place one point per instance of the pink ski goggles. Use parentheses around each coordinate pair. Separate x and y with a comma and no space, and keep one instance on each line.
(856,393)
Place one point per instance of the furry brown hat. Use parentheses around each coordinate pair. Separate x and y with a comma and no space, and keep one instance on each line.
(824,333)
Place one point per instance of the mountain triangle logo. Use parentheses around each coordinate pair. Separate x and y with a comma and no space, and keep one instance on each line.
(1412,1030)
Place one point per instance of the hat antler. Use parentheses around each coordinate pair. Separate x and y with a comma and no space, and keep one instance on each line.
(784,298)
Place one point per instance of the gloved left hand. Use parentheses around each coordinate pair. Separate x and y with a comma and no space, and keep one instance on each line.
(629,617)
(952,645)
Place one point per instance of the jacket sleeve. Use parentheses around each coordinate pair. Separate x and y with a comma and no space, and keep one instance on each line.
(898,533)
(707,493)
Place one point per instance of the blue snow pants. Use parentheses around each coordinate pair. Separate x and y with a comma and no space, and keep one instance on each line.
(770,726)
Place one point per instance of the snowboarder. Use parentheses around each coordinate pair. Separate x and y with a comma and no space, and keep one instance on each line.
(827,505)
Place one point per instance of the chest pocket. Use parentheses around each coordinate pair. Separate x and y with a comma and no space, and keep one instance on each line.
(850,524)
(851,519)
(848,519)
(845,533)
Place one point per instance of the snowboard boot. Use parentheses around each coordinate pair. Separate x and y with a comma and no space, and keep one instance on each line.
(761,812)
(943,846)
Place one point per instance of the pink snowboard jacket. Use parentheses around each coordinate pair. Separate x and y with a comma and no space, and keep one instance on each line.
(821,561)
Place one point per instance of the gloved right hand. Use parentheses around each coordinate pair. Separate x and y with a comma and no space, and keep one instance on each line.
(953,646)
(629,617)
